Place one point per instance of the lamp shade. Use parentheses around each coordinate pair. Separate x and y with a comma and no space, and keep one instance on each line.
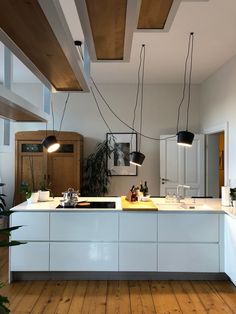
(50,142)
(185,138)
(137,158)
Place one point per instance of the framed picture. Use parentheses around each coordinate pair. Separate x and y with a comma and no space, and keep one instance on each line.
(124,144)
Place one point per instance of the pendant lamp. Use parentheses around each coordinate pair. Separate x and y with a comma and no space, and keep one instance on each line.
(136,157)
(185,138)
(50,143)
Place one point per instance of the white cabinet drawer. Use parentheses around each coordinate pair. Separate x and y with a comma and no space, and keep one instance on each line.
(137,257)
(32,256)
(35,226)
(188,257)
(183,227)
(84,227)
(138,227)
(83,256)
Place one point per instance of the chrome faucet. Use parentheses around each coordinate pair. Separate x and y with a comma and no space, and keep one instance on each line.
(178,196)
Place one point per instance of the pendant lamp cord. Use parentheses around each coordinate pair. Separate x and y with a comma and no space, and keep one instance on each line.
(190,78)
(141,96)
(184,83)
(52,118)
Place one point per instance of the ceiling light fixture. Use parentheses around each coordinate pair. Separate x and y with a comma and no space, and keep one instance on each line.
(50,141)
(136,157)
(185,138)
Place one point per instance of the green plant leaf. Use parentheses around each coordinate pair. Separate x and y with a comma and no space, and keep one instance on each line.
(10,243)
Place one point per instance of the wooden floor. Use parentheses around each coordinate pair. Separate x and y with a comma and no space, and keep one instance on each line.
(115,297)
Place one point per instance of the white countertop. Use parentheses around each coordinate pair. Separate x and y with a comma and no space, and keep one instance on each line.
(211,205)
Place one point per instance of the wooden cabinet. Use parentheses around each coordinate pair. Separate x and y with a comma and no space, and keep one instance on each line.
(61,168)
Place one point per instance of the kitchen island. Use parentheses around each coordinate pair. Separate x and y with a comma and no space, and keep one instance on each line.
(172,241)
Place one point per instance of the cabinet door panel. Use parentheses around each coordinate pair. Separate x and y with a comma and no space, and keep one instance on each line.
(186,257)
(35,226)
(88,256)
(32,256)
(183,227)
(137,257)
(84,226)
(138,227)
(230,247)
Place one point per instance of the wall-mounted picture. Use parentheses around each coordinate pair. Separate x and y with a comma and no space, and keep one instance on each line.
(124,144)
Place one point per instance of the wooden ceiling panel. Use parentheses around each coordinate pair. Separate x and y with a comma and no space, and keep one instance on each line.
(26,25)
(107,20)
(154,13)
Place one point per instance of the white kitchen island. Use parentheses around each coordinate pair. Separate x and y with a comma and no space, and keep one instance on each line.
(173,242)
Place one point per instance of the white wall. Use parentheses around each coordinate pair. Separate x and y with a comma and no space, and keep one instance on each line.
(159,117)
(218,105)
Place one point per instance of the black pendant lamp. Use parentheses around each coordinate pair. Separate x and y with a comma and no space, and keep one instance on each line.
(50,143)
(136,157)
(185,138)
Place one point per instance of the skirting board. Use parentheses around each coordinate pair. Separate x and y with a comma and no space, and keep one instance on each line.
(15,276)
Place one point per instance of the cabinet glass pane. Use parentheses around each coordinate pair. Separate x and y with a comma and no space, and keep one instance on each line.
(33,148)
(66,148)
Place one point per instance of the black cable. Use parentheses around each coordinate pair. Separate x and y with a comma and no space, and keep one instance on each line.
(63,113)
(99,110)
(184,85)
(137,96)
(141,106)
(123,122)
(190,79)
(52,118)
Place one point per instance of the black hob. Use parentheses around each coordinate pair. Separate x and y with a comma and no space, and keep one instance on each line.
(91,205)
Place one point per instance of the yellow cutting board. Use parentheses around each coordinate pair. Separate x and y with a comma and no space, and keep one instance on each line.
(135,206)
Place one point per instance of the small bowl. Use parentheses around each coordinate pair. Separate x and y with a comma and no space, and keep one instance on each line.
(145,198)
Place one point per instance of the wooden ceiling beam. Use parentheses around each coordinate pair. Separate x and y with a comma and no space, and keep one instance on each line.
(37,33)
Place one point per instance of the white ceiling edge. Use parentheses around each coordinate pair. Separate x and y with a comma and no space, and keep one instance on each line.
(15,101)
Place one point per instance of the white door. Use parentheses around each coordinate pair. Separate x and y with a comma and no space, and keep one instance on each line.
(182,165)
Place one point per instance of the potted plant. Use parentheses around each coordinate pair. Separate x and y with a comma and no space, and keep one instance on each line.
(45,191)
(5,242)
(96,176)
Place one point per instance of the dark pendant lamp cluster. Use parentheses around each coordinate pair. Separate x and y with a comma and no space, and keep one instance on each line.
(136,157)
(185,138)
(50,142)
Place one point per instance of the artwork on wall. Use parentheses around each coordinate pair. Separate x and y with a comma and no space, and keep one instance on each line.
(123,145)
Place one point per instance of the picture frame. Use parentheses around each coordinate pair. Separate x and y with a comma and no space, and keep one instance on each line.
(123,144)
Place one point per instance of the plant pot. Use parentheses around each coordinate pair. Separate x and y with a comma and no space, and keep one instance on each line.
(33,198)
(44,196)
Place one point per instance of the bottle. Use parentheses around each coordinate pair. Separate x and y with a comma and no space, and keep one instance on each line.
(133,194)
(145,189)
(141,188)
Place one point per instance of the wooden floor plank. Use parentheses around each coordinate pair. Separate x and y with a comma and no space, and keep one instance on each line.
(141,298)
(95,298)
(187,298)
(118,300)
(164,298)
(211,301)
(227,291)
(78,297)
(65,302)
(30,298)
(50,297)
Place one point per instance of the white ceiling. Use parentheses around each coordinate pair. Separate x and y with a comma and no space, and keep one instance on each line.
(214,25)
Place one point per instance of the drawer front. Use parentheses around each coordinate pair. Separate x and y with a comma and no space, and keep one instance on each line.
(84,227)
(138,227)
(137,257)
(188,257)
(32,256)
(35,226)
(83,256)
(184,227)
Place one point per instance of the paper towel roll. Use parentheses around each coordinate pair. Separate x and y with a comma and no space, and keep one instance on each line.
(225,195)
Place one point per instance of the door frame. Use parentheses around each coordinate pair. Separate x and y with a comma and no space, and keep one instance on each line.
(224,127)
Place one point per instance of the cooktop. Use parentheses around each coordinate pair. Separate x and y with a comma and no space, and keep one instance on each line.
(86,204)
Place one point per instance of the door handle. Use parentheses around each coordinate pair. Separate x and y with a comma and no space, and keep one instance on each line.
(164,180)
